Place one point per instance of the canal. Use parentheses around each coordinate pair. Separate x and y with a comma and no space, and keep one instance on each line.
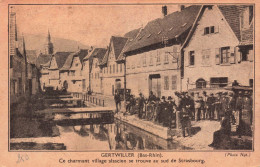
(89,132)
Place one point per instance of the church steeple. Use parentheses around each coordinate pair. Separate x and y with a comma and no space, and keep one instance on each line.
(49,36)
(49,45)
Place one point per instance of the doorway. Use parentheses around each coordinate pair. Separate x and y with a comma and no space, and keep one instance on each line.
(155,84)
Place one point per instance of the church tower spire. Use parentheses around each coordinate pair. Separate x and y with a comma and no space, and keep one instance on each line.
(49,45)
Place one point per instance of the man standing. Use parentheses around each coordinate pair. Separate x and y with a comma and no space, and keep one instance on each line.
(239,107)
(204,106)
(211,107)
(224,104)
(197,106)
(217,106)
(117,101)
(231,106)
(185,117)
(140,105)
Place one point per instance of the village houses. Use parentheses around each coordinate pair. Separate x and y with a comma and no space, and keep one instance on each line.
(153,58)
(219,48)
(198,46)
(23,72)
(71,72)
(91,64)
(112,77)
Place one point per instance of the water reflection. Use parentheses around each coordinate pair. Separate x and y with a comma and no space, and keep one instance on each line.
(104,133)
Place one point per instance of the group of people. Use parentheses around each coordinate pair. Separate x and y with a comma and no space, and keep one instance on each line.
(185,107)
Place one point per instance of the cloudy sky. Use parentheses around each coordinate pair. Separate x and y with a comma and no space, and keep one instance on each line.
(88,24)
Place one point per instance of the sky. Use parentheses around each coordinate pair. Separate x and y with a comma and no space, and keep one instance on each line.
(92,25)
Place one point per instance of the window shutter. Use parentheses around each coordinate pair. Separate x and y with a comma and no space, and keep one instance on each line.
(238,55)
(216,29)
(251,55)
(217,55)
(232,55)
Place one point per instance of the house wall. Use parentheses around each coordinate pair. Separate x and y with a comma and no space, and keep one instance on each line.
(95,77)
(211,67)
(157,62)
(85,75)
(114,78)
(17,78)
(75,76)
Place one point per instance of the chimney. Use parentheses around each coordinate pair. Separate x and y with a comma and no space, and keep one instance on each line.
(164,10)
(181,7)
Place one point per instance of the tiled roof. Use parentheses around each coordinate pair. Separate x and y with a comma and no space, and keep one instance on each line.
(82,54)
(171,26)
(96,53)
(31,56)
(68,62)
(61,58)
(118,44)
(247,36)
(131,36)
(43,59)
(232,14)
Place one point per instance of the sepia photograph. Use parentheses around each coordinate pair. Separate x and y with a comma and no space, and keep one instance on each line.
(131,77)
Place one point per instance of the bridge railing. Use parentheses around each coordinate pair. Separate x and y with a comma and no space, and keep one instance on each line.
(89,98)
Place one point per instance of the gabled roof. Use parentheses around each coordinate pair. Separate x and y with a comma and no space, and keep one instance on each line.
(131,35)
(61,58)
(68,62)
(82,54)
(31,56)
(98,53)
(232,14)
(171,26)
(118,44)
(43,59)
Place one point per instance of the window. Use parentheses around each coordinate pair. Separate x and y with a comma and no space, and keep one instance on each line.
(158,58)
(104,70)
(166,58)
(11,61)
(144,60)
(113,68)
(116,68)
(191,58)
(206,30)
(218,82)
(200,83)
(166,83)
(151,60)
(77,64)
(205,57)
(212,29)
(251,82)
(174,82)
(225,54)
(121,68)
(209,30)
